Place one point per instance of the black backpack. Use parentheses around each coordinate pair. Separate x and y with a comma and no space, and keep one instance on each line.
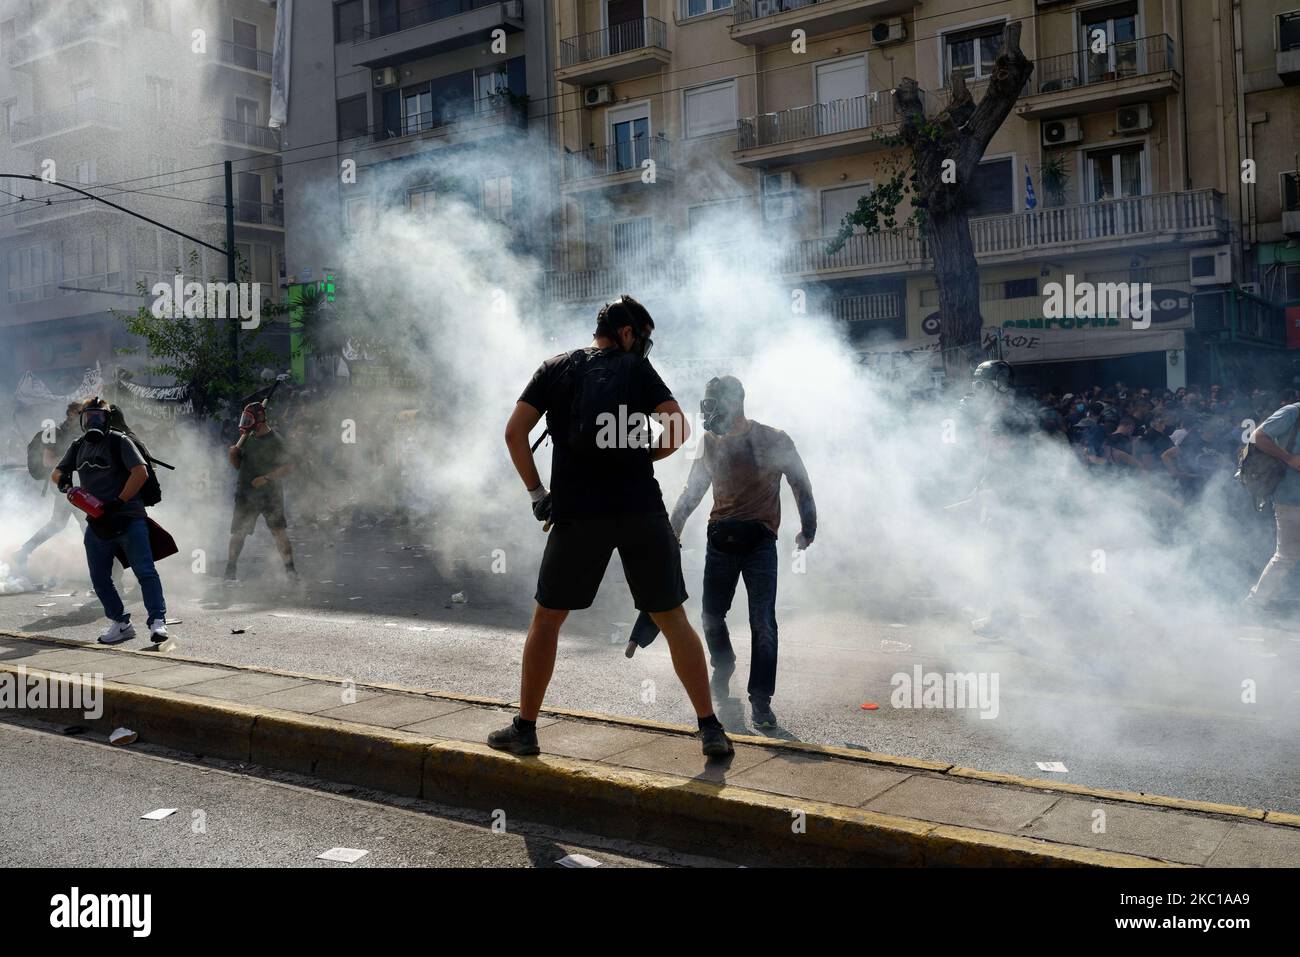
(36,456)
(151,492)
(602,385)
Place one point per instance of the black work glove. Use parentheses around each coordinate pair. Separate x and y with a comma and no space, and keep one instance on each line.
(66,486)
(111,506)
(542,508)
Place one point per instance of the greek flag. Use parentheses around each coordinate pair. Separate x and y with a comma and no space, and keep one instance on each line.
(1031,201)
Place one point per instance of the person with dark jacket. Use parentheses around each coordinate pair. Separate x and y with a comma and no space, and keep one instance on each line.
(61,512)
(110,467)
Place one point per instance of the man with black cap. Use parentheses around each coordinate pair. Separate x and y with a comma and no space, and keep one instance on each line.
(598,402)
(743,461)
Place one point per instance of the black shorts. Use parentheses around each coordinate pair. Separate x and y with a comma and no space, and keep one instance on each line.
(578,550)
(250,505)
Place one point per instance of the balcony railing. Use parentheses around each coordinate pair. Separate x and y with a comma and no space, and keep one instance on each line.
(1143,57)
(30,43)
(87,112)
(747,10)
(415,17)
(248,211)
(249,58)
(467,117)
(616,158)
(818,119)
(261,137)
(866,308)
(1102,223)
(636,34)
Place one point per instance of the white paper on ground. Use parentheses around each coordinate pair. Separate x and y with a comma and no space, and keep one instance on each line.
(1054,766)
(159,814)
(348,855)
(577,860)
(122,736)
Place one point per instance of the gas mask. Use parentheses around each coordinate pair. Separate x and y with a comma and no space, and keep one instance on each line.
(721,406)
(641,345)
(254,414)
(94,423)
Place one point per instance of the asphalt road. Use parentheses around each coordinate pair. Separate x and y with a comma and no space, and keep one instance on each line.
(78,801)
(1121,711)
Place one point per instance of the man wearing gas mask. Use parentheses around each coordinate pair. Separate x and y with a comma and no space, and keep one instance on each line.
(604,498)
(262,460)
(111,468)
(743,461)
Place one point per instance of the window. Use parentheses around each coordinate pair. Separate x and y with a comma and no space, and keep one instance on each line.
(8,116)
(245,51)
(1292,282)
(86,172)
(1116,173)
(698,8)
(348,20)
(1020,288)
(838,203)
(83,93)
(632,240)
(1291,192)
(487,85)
(1288,31)
(972,53)
(1117,27)
(7,34)
(710,109)
(248,112)
(417,110)
(248,197)
(356,212)
(498,198)
(156,14)
(256,257)
(158,95)
(352,117)
(716,221)
(421,198)
(993,191)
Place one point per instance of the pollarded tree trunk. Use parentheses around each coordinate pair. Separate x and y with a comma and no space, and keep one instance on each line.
(960,134)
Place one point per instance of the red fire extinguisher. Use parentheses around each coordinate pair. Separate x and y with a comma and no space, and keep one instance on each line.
(83,500)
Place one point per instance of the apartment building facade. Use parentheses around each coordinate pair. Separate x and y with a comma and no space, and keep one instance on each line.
(401,105)
(139,101)
(1132,133)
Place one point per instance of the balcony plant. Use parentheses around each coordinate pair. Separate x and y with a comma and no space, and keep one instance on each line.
(1055,175)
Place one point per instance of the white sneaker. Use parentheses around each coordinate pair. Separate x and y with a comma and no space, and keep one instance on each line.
(117,633)
(159,636)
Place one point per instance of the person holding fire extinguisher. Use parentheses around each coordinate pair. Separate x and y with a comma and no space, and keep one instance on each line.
(262,460)
(112,472)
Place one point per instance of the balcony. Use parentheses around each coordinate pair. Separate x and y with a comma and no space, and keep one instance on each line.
(51,39)
(89,114)
(1085,82)
(431,29)
(872,307)
(818,131)
(247,213)
(1139,222)
(635,48)
(616,166)
(237,56)
(441,129)
(62,206)
(259,138)
(761,22)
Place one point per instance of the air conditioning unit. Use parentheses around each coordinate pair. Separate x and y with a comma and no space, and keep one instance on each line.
(1133,119)
(1291,222)
(597,95)
(888,31)
(514,9)
(385,76)
(1061,132)
(777,184)
(1211,267)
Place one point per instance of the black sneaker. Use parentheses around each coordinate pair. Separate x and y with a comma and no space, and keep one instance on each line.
(716,743)
(762,713)
(515,740)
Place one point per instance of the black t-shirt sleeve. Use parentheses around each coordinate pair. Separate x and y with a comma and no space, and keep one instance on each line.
(538,391)
(68,464)
(649,390)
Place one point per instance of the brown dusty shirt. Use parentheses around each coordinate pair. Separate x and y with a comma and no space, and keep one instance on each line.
(745,470)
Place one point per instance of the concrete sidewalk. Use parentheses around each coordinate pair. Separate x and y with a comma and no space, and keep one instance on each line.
(774,802)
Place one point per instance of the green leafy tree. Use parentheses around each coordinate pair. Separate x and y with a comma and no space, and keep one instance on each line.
(936,173)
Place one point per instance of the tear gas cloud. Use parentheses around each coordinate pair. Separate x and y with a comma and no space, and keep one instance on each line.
(1113,581)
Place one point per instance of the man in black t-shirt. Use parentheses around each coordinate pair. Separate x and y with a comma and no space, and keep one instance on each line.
(598,403)
(262,459)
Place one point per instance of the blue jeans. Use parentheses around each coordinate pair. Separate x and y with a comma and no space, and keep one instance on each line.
(100,555)
(722,571)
